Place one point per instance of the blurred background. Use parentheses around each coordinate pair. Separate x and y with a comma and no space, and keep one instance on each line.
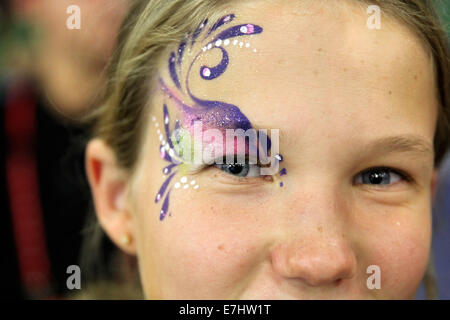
(50,76)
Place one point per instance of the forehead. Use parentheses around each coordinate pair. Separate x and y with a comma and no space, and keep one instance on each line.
(316,63)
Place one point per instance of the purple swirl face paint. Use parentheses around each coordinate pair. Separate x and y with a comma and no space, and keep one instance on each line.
(170,157)
(213,114)
(226,19)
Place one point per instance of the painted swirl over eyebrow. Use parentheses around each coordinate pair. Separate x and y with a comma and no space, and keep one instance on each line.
(173,71)
(182,46)
(213,113)
(225,19)
(198,31)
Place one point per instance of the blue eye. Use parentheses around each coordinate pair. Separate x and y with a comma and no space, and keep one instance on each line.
(379,176)
(240,170)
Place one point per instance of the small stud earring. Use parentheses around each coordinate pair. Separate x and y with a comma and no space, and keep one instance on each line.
(126,239)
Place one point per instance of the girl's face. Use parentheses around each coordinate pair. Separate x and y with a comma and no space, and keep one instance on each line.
(356,112)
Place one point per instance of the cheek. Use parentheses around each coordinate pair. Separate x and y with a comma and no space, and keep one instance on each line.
(400,245)
(201,250)
(408,260)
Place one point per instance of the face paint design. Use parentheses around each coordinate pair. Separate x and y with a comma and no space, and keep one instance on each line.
(212,114)
(279,158)
(167,153)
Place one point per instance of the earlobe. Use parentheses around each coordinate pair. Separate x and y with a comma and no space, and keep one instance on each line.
(108,182)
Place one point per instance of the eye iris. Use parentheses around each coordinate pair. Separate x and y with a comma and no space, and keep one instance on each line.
(236,169)
(377,177)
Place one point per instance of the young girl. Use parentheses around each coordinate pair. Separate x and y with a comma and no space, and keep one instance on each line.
(346,120)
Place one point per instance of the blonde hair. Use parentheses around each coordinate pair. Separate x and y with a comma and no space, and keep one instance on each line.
(152,26)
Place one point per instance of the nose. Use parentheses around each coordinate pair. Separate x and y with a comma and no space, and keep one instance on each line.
(316,262)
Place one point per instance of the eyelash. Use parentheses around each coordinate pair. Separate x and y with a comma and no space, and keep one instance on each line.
(237,177)
(403,175)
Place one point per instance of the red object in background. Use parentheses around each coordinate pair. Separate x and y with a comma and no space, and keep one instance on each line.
(23,191)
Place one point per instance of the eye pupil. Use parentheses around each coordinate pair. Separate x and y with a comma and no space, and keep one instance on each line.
(378,177)
(235,168)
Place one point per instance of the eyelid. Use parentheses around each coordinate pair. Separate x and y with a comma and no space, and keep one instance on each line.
(238,180)
(250,172)
(196,168)
(400,172)
(405,176)
(227,178)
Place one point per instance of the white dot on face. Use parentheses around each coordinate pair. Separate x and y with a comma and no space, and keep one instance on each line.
(254,50)
(157,124)
(241,44)
(235,42)
(177,185)
(183,180)
(186,186)
(218,42)
(247,45)
(158,131)
(160,137)
(226,42)
(209,46)
(153,118)
(204,48)
(196,186)
(192,182)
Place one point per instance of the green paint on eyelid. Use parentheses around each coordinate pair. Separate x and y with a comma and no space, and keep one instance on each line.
(184,169)
(184,144)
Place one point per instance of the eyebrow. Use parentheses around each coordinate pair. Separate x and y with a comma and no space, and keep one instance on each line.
(412,144)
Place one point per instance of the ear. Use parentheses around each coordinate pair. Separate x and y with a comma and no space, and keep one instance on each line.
(434,182)
(108,184)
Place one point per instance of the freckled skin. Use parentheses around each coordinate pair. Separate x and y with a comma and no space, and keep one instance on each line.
(315,237)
